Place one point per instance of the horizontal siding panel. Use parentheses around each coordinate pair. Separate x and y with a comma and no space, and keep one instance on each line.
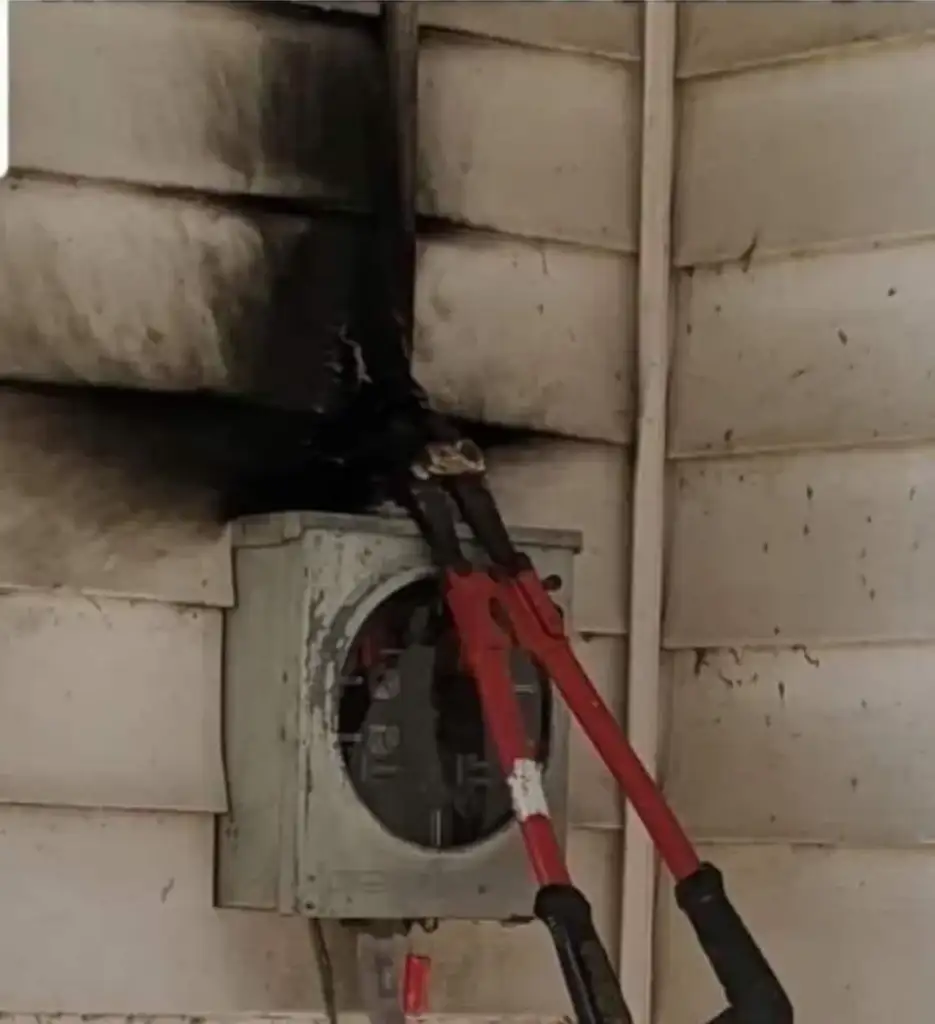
(611,28)
(543,484)
(489,970)
(79,511)
(108,703)
(113,910)
(364,7)
(91,289)
(835,745)
(494,155)
(210,96)
(516,333)
(593,794)
(820,548)
(782,159)
(834,350)
(107,909)
(111,287)
(719,36)
(849,933)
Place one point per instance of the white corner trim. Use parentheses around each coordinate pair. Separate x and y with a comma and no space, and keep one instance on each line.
(648,524)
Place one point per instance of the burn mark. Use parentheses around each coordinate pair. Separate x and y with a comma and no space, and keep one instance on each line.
(299,340)
(803,650)
(746,257)
(321,110)
(307,320)
(228,456)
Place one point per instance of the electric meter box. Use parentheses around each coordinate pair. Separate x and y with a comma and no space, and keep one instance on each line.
(362,783)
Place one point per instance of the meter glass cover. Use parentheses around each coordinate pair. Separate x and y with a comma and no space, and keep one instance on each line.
(410,727)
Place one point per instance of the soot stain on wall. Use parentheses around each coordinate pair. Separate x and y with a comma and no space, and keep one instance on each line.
(283,307)
(222,455)
(288,292)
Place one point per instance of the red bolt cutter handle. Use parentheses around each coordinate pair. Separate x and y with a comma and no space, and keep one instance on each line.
(589,975)
(508,606)
(493,615)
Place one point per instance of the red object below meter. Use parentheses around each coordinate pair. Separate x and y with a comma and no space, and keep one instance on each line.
(416,972)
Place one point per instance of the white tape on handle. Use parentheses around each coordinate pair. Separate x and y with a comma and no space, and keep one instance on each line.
(526,790)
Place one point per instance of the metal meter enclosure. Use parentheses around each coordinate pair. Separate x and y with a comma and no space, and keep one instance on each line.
(362,784)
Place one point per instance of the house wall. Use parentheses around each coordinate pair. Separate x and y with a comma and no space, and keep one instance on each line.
(168,167)
(799,619)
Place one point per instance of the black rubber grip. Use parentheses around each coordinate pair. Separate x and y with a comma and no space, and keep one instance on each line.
(589,976)
(753,991)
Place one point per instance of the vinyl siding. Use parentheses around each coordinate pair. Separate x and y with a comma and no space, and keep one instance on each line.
(797,620)
(161,196)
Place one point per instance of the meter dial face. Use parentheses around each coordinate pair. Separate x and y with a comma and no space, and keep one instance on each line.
(411,732)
